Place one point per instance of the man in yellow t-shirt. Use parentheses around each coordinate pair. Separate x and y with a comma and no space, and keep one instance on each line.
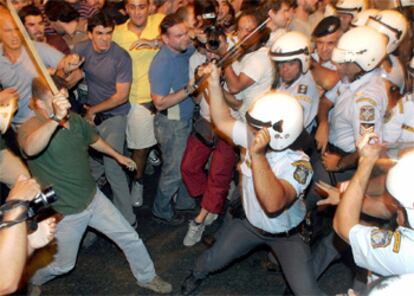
(140,37)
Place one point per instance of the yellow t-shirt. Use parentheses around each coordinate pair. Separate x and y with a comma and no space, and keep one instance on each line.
(141,58)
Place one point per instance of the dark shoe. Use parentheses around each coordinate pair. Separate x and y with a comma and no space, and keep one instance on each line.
(208,240)
(190,285)
(174,221)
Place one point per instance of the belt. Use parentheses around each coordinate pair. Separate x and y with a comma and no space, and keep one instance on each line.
(285,234)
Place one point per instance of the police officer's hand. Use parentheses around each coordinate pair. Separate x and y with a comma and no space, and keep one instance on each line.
(332,192)
(61,104)
(369,147)
(330,161)
(260,142)
(321,137)
(24,189)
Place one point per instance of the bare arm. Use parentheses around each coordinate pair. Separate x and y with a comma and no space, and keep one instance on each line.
(101,146)
(322,133)
(324,77)
(231,100)
(13,240)
(118,98)
(236,83)
(349,209)
(219,110)
(165,102)
(282,193)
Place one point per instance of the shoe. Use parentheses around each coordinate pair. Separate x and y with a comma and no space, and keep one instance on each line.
(174,221)
(194,233)
(209,240)
(158,285)
(210,218)
(154,158)
(190,285)
(34,290)
(137,194)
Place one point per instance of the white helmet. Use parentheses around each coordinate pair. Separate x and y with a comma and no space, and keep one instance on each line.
(363,46)
(351,7)
(281,114)
(391,23)
(362,17)
(399,184)
(292,46)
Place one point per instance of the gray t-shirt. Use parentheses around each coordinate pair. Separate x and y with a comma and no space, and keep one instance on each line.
(103,71)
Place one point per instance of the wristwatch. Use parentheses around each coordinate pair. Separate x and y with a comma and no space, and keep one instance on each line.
(55,118)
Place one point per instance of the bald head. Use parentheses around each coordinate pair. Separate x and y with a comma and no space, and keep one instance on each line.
(9,33)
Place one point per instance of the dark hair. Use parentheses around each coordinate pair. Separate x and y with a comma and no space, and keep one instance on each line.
(60,11)
(275,5)
(170,21)
(100,19)
(29,10)
(262,35)
(40,89)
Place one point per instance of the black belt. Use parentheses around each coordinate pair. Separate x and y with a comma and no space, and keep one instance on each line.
(285,234)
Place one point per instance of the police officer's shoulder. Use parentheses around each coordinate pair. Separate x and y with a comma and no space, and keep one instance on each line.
(326,26)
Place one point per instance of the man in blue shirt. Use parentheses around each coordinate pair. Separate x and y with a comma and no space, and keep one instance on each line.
(170,92)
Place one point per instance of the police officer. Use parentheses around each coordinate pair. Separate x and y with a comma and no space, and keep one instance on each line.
(291,52)
(273,180)
(394,26)
(356,107)
(347,10)
(383,251)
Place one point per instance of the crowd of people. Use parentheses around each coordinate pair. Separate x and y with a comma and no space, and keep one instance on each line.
(311,102)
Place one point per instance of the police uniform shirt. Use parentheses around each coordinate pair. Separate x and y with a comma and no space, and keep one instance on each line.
(292,166)
(399,122)
(305,90)
(383,251)
(358,109)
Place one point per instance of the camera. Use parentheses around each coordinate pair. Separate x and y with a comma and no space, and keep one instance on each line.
(213,34)
(41,200)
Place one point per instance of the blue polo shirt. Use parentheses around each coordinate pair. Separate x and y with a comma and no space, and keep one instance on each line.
(103,71)
(168,74)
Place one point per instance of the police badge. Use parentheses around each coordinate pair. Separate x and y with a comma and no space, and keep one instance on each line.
(302,171)
(367,113)
(381,238)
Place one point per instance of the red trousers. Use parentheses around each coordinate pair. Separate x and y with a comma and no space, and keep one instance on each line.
(214,186)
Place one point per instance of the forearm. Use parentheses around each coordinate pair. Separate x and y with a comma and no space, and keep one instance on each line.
(378,206)
(349,161)
(39,139)
(165,102)
(348,212)
(101,146)
(220,113)
(232,80)
(323,112)
(274,200)
(13,252)
(110,103)
(231,101)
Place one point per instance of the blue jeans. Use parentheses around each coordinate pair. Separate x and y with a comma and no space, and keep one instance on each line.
(172,136)
(112,131)
(104,217)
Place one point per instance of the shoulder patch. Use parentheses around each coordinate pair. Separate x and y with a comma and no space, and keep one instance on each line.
(367,113)
(303,89)
(368,100)
(302,171)
(381,238)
